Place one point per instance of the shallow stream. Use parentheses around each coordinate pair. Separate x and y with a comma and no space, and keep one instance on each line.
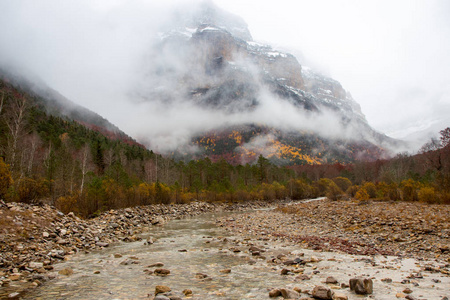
(196,245)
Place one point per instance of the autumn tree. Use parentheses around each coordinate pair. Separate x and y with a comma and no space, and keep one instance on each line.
(5,178)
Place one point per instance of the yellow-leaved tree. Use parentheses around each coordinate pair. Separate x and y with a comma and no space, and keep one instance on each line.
(5,178)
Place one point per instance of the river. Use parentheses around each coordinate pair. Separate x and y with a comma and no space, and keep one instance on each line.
(195,245)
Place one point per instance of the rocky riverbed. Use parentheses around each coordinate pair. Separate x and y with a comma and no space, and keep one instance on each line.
(402,229)
(298,251)
(35,237)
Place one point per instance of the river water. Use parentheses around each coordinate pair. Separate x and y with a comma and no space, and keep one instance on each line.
(196,245)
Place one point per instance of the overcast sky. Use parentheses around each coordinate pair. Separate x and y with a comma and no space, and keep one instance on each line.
(392,56)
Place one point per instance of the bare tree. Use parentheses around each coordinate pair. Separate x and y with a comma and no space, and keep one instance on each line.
(84,166)
(15,121)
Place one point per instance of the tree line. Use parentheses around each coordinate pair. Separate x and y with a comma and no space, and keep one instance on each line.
(46,157)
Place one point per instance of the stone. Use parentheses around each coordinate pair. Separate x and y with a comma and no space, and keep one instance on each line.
(13,295)
(66,272)
(62,241)
(322,292)
(361,286)
(45,234)
(387,280)
(200,276)
(225,271)
(274,293)
(117,255)
(161,297)
(14,277)
(187,292)
(284,271)
(160,289)
(331,280)
(400,295)
(339,296)
(407,291)
(410,297)
(36,265)
(289,294)
(255,249)
(102,244)
(156,265)
(162,272)
(303,277)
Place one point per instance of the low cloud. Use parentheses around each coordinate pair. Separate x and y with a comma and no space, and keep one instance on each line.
(104,55)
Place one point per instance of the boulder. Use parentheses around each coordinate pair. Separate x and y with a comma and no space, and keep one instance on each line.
(322,292)
(361,286)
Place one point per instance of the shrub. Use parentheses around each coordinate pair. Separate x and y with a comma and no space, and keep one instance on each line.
(352,190)
(5,178)
(409,190)
(334,192)
(370,189)
(428,194)
(342,182)
(29,190)
(393,192)
(362,195)
(68,203)
(299,189)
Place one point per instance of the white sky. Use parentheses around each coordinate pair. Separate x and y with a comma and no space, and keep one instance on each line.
(392,55)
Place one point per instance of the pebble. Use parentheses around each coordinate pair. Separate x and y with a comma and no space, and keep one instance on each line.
(331,280)
(161,272)
(160,289)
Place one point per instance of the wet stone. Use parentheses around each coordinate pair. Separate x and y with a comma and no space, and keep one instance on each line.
(322,292)
(160,289)
(156,265)
(161,272)
(361,286)
(331,280)
(289,294)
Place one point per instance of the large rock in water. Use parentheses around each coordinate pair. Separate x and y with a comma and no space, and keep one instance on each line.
(361,286)
(322,292)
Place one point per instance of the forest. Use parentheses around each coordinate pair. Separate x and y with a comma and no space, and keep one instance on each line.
(49,158)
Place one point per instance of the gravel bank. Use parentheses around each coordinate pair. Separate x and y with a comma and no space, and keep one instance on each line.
(389,228)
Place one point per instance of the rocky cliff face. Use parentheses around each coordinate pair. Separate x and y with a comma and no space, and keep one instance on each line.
(208,58)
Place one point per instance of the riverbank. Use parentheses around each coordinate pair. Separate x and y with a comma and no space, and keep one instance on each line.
(404,229)
(35,237)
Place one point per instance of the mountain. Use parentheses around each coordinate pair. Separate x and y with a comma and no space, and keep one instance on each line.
(272,105)
(53,103)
